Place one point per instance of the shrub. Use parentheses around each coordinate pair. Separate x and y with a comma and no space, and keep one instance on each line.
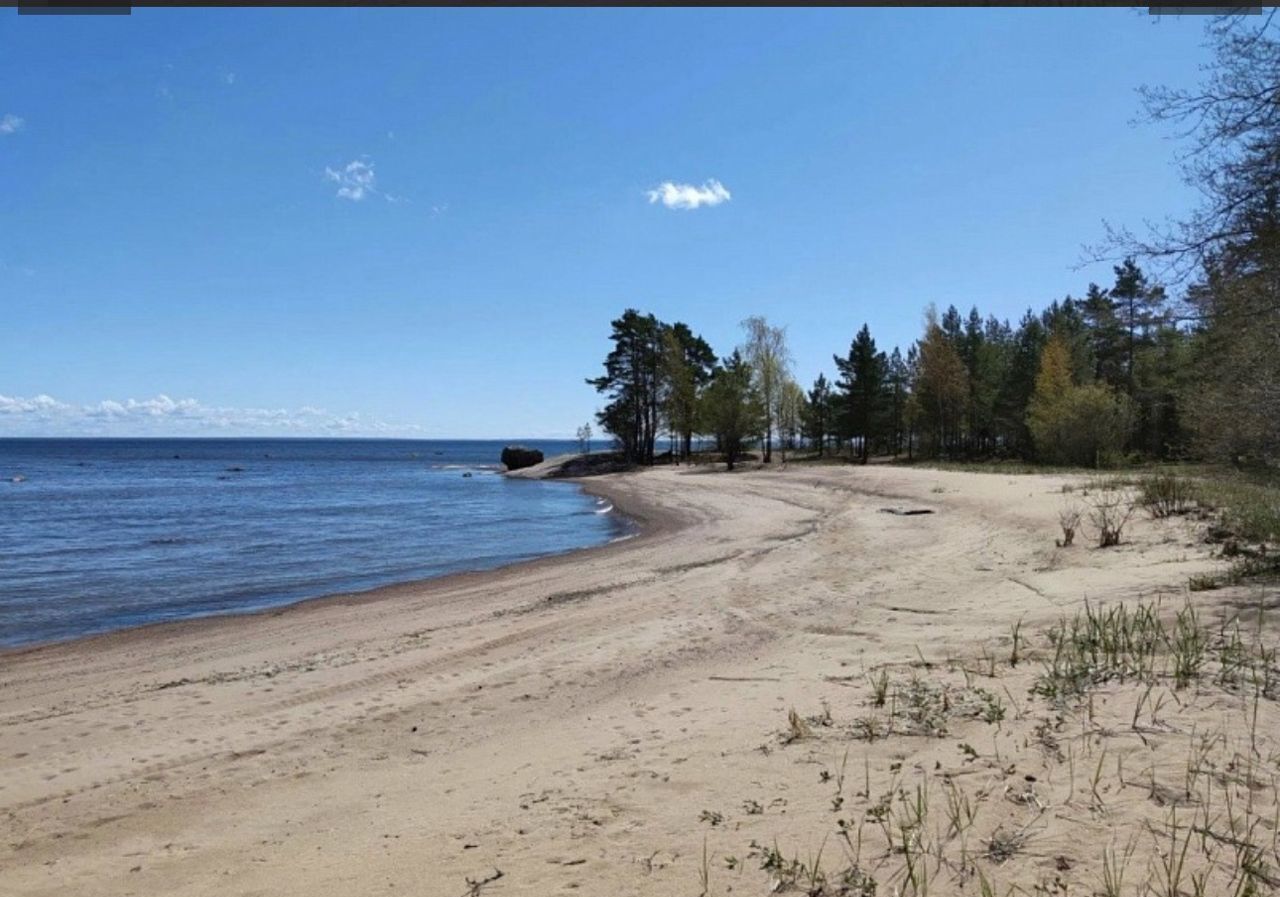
(1110,510)
(1249,509)
(1069,520)
(1084,425)
(1165,495)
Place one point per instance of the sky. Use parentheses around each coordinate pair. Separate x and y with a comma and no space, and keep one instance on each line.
(420,222)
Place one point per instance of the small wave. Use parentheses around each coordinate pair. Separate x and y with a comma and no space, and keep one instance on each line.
(480,468)
(607,509)
(171,540)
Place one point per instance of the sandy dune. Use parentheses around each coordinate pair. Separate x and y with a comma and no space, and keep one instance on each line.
(566,721)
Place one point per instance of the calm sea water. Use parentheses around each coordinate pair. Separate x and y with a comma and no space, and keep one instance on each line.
(100,534)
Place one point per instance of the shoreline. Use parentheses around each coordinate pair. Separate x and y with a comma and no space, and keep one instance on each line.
(575,721)
(649,521)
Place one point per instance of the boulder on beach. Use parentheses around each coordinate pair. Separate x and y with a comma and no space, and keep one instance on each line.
(517,456)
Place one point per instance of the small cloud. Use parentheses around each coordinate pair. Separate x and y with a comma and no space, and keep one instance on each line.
(355,180)
(164,93)
(440,209)
(228,78)
(11,124)
(687,196)
(41,404)
(391,135)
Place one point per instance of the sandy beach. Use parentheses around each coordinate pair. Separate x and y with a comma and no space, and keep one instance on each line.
(597,723)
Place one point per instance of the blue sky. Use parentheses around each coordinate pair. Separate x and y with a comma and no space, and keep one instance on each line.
(420,222)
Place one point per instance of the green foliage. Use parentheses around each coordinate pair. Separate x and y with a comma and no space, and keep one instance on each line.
(942,384)
(1085,425)
(1249,505)
(861,383)
(633,382)
(790,412)
(769,363)
(1231,395)
(731,409)
(651,377)
(818,414)
(1123,642)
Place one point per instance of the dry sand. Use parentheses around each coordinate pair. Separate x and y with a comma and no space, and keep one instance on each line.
(568,721)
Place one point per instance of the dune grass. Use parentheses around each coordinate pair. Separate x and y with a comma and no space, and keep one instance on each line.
(1154,739)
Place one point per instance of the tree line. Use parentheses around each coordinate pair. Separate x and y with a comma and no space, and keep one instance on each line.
(1122,371)
(1085,381)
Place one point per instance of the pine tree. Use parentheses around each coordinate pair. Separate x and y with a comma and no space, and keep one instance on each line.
(1106,336)
(1136,304)
(861,382)
(1019,383)
(817,418)
(986,380)
(897,390)
(688,364)
(633,381)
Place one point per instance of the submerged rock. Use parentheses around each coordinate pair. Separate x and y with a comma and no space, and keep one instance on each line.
(517,456)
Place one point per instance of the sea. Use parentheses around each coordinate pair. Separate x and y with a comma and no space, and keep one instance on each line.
(102,534)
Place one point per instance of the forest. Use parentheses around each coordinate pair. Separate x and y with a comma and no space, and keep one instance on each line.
(1177,358)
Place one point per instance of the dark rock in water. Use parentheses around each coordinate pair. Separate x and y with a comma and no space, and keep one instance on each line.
(467,474)
(517,456)
(235,470)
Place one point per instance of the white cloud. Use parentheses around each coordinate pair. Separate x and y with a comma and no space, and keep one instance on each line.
(355,180)
(228,78)
(41,404)
(687,196)
(43,415)
(10,123)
